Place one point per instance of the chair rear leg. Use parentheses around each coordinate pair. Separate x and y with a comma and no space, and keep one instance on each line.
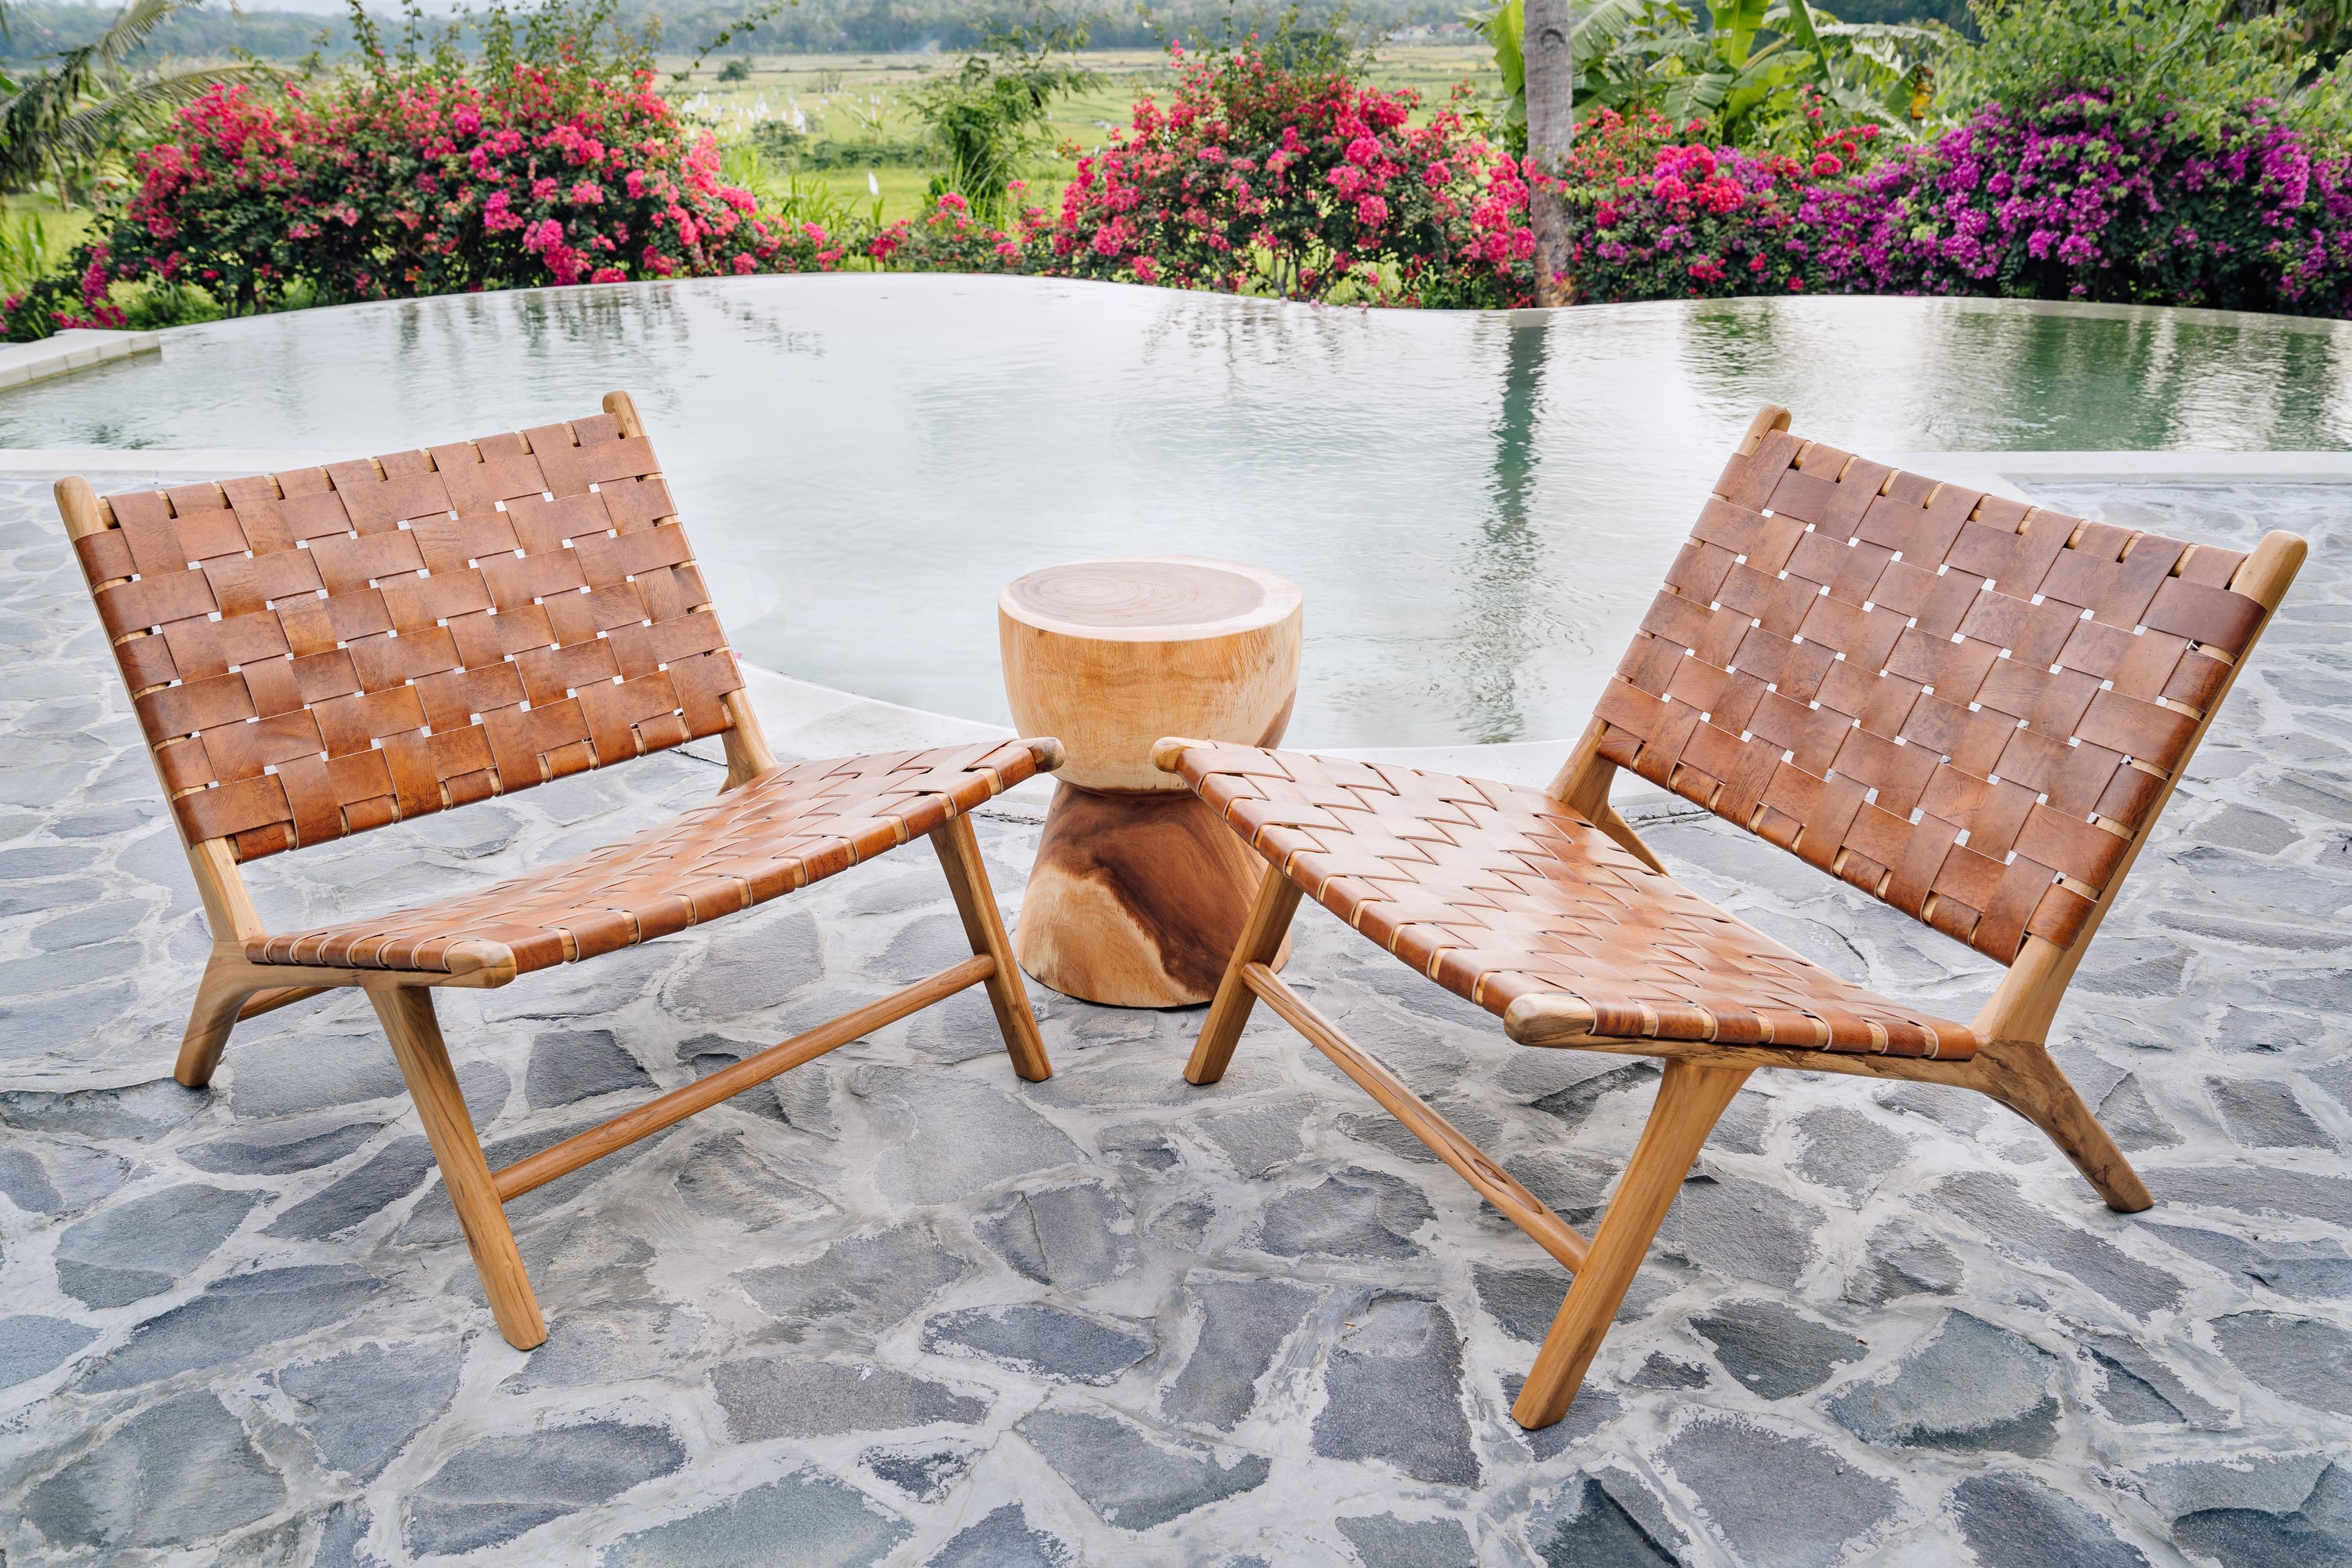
(1690,1099)
(2021,1076)
(220,995)
(975,900)
(406,1012)
(1229,1010)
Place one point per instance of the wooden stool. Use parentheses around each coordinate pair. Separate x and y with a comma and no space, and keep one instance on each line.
(1140,891)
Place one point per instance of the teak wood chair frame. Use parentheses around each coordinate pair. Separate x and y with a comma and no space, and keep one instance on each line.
(2039,919)
(202,575)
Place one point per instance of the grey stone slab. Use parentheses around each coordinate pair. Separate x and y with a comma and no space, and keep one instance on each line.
(100,923)
(1069,1236)
(137,1249)
(234,1317)
(2308,1271)
(361,1406)
(767,1398)
(1740,1228)
(859,1284)
(1260,1137)
(72,967)
(305,1071)
(140,1111)
(1353,1212)
(1599,1533)
(2302,1358)
(1663,1371)
(280,1151)
(1384,1540)
(596,989)
(1133,1479)
(2029,1230)
(1392,1392)
(1776,1498)
(2257,1191)
(1847,1150)
(52,1176)
(752,964)
(2316,1531)
(1002,1538)
(2140,1388)
(389,1175)
(951,1135)
(2014,1521)
(1973,1387)
(1043,1341)
(340,1533)
(176,1472)
(1903,1259)
(924,1471)
(568,1065)
(807,1520)
(2132,1120)
(1773,1350)
(725,1179)
(1574,1103)
(2265,1115)
(32,898)
(493,1491)
(31,1344)
(1594,1409)
(611,1340)
(1243,1325)
(63,1027)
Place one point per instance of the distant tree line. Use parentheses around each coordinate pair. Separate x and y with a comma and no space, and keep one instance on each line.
(42,28)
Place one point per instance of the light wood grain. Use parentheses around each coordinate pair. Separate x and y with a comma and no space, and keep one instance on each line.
(416,1035)
(1691,1098)
(1262,941)
(983,925)
(1135,901)
(1111,683)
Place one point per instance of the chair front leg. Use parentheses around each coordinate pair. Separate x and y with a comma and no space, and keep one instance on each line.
(975,900)
(1690,1099)
(1269,921)
(406,1012)
(2022,1075)
(220,998)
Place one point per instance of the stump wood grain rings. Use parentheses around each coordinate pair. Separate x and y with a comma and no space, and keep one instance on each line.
(1139,892)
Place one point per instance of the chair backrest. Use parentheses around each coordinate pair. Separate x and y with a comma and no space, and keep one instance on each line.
(319,652)
(1965,706)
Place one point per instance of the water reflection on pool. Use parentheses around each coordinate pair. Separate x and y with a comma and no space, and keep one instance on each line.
(1477,506)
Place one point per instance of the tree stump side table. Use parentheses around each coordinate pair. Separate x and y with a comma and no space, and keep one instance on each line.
(1140,893)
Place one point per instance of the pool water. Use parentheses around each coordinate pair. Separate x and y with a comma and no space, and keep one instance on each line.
(1478,505)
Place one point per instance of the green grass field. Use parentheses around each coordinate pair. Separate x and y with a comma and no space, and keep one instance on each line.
(862,98)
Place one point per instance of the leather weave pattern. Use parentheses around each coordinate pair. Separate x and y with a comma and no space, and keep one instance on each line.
(1950,701)
(1497,891)
(781,831)
(322,651)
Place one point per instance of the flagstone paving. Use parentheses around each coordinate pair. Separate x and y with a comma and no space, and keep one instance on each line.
(898,1307)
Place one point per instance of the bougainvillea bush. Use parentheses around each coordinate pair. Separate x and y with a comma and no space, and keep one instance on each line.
(1299,181)
(421,177)
(2078,198)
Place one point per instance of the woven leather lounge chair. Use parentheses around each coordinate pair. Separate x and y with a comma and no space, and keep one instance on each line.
(316,653)
(1968,707)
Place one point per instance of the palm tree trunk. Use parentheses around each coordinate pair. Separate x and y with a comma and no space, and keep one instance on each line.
(1551,120)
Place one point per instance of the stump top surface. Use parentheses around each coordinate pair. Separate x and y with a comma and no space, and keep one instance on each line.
(1151,598)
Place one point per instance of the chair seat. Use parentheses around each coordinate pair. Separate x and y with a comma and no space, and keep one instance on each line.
(783,830)
(1497,892)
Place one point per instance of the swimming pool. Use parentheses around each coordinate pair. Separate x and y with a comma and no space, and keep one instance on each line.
(1477,506)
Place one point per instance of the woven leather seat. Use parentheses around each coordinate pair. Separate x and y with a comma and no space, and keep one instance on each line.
(784,829)
(1497,892)
(325,651)
(1970,708)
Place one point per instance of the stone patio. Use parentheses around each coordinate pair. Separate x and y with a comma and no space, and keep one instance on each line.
(897,1307)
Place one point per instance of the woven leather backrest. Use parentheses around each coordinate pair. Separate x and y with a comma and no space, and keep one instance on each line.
(324,651)
(1959,704)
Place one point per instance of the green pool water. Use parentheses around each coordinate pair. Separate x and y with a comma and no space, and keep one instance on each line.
(1477,506)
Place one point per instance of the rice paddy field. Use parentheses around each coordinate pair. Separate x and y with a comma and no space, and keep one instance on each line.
(844,103)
